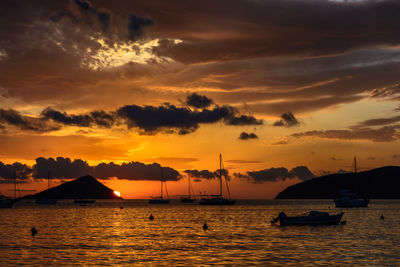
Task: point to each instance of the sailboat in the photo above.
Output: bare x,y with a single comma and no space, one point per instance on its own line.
8,202
188,199
160,199
219,199
348,199
47,201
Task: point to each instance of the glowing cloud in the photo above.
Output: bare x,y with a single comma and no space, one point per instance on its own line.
119,54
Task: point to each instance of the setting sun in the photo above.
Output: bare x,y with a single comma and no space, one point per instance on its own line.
117,193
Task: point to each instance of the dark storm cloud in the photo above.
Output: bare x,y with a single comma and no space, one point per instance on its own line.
198,101
16,170
65,168
203,174
309,55
170,118
247,136
287,120
14,118
276,28
87,15
135,171
98,118
148,120
60,168
62,117
136,25
275,174
383,134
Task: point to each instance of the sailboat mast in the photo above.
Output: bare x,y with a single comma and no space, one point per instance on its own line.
220,174
355,165
189,185
15,184
162,178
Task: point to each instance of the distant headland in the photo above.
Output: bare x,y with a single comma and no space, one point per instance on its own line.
379,183
83,187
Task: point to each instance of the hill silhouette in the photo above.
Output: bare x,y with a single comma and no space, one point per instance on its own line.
380,183
83,187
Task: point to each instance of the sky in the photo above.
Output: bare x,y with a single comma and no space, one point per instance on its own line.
285,90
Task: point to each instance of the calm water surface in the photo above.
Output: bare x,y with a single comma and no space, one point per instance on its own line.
239,235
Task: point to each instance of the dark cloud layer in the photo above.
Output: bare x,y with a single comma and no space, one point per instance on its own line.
198,101
287,120
247,136
203,174
65,168
136,24
309,54
149,120
281,173
380,121
14,118
170,118
383,134
17,171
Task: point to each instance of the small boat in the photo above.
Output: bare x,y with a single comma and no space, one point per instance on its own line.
219,199
188,199
348,199
312,218
216,200
48,200
161,199
84,201
8,202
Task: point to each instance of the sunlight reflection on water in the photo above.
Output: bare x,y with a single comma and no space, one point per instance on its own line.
104,234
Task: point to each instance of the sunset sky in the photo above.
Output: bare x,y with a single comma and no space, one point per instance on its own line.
285,89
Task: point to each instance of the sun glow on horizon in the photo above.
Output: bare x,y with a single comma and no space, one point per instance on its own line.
117,193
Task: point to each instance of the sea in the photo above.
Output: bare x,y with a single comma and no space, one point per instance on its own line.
120,233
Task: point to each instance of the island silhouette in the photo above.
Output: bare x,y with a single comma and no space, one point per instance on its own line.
85,187
379,183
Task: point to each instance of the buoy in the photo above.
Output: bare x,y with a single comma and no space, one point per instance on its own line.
343,222
121,207
205,226
33,231
382,217
151,217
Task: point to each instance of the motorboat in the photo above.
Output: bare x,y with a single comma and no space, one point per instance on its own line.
312,218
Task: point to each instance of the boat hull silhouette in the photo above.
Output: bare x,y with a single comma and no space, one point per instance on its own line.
313,218
217,201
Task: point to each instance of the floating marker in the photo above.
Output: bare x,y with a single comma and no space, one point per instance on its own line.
33,231
382,217
205,226
151,217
